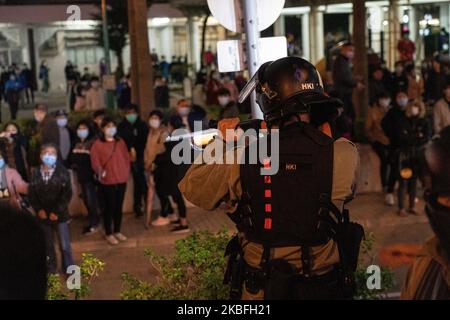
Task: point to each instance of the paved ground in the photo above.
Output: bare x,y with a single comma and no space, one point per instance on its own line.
128,257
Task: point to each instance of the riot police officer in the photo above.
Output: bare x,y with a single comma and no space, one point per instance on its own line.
283,249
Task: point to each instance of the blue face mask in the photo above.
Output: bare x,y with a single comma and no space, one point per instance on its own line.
49,160
131,118
2,163
62,122
111,132
83,133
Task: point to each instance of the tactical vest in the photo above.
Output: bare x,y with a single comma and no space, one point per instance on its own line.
285,207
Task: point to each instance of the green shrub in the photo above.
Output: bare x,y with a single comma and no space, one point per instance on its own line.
197,268
368,258
194,273
90,268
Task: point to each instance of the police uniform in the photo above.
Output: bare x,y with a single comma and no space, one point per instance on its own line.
284,207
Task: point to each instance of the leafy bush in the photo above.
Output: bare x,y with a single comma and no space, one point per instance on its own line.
194,273
197,268
368,258
90,268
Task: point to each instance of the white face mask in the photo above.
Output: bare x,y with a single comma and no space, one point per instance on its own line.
223,101
154,123
62,122
184,111
402,102
385,103
95,85
415,111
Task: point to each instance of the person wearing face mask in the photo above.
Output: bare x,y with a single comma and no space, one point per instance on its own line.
134,131
344,84
229,109
49,193
414,133
212,88
399,80
376,135
16,148
80,160
155,146
47,130
190,114
230,85
13,87
12,186
95,96
441,111
110,160
65,136
391,124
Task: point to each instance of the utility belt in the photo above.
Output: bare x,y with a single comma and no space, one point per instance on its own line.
281,280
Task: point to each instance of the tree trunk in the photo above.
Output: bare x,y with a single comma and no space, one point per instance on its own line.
141,61
205,23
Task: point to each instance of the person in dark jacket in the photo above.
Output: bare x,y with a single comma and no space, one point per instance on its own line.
49,193
13,87
391,124
161,93
47,129
414,132
191,114
377,86
80,160
29,83
229,107
167,176
21,236
344,84
134,131
124,93
16,147
435,82
399,80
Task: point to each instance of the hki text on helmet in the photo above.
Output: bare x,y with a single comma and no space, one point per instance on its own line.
290,86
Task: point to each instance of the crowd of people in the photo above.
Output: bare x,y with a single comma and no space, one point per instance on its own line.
407,107
103,152
16,84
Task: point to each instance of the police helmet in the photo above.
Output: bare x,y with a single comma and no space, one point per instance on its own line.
290,86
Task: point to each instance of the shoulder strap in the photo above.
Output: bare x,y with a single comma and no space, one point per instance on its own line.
110,156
